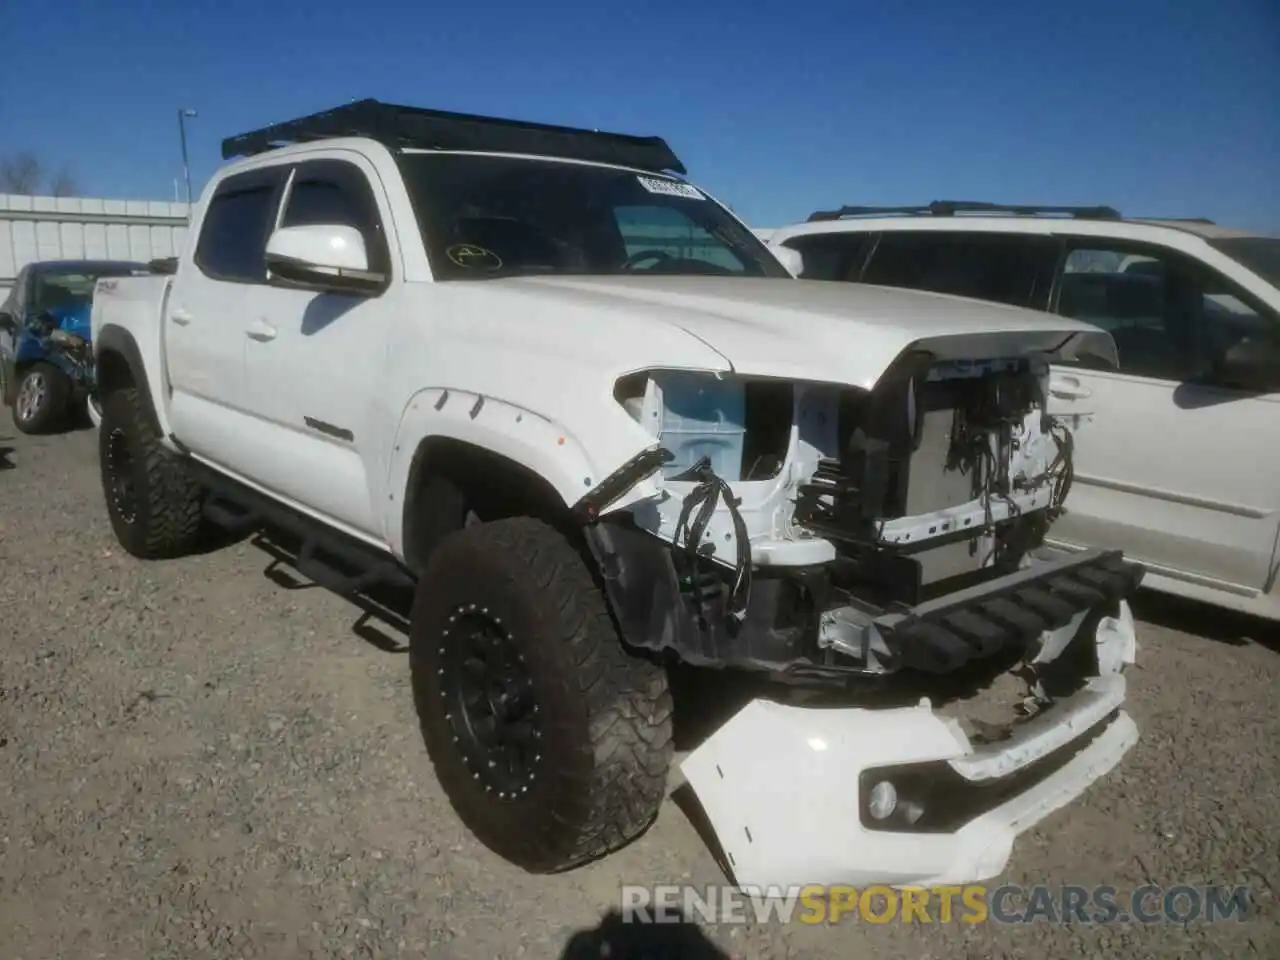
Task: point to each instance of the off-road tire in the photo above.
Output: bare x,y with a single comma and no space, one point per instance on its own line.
606,714
165,517
54,409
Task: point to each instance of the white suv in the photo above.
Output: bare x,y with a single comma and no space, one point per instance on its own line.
1179,467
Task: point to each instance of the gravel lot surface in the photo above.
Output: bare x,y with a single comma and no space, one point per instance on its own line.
198,761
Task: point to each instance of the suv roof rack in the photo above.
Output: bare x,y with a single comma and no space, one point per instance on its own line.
398,126
949,208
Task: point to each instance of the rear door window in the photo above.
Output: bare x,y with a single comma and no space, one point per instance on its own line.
832,256
1012,268
233,234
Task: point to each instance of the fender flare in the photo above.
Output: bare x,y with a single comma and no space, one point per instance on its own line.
525,437
113,338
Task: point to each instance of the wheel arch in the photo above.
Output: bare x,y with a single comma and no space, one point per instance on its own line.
449,476
517,459
118,364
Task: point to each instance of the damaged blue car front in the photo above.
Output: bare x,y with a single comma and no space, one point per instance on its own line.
46,365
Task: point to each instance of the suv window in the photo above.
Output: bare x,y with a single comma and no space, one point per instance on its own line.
334,192
233,235
1171,317
1010,268
832,256
670,232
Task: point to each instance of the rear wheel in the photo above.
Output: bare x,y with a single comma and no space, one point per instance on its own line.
42,399
551,741
156,508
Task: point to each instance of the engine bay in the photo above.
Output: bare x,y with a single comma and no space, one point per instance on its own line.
844,504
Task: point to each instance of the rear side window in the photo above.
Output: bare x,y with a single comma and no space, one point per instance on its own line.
1016,269
233,236
832,256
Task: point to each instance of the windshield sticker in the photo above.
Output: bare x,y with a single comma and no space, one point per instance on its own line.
672,188
474,258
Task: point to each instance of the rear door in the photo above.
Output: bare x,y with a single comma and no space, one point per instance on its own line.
1178,468
212,301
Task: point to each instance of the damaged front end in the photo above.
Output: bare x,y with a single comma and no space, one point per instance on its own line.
825,534
821,533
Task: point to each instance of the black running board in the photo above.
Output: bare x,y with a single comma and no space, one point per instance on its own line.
328,558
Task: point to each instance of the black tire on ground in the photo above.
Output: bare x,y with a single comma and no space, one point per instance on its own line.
592,722
156,508
42,399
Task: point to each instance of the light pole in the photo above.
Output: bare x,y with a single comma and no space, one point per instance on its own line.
183,113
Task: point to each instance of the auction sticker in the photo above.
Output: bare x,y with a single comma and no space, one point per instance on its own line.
671,188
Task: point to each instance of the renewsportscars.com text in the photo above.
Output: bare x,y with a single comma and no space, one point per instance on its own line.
969,904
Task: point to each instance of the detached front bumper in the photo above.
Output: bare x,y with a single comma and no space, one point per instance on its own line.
788,790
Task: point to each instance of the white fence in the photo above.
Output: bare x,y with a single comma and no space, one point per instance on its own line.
84,228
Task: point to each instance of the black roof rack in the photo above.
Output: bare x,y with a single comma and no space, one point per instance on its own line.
949,208
398,126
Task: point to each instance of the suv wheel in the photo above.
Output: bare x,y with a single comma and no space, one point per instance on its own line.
41,399
154,504
550,739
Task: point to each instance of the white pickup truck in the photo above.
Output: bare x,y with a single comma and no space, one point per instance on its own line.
600,426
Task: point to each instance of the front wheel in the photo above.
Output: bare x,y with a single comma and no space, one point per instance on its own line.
551,741
42,399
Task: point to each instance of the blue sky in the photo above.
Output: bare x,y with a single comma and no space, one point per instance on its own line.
1159,108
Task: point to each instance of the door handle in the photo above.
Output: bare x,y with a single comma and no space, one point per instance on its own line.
1069,388
261,331
181,317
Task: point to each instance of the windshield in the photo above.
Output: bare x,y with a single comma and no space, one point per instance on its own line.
484,217
69,289
1259,254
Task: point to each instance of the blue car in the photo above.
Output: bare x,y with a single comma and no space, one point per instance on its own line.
46,364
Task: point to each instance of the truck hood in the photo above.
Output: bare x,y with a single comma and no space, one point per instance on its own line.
834,332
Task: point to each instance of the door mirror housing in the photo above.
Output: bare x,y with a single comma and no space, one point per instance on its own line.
790,258
328,257
1251,363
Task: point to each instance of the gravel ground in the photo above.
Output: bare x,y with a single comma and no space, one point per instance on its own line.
202,761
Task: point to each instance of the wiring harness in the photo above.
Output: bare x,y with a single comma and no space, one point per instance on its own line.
709,492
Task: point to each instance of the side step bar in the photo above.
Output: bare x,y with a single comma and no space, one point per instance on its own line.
327,558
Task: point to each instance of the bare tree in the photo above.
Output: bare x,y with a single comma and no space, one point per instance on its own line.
64,185
20,173
24,174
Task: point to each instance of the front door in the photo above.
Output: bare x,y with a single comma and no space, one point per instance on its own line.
314,360
1178,467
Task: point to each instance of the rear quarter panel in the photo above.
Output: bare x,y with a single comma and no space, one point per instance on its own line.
131,309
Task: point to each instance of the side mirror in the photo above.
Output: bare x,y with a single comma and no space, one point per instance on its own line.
7,322
790,258
326,257
1251,363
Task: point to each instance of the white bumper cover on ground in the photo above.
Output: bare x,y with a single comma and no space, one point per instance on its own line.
780,784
